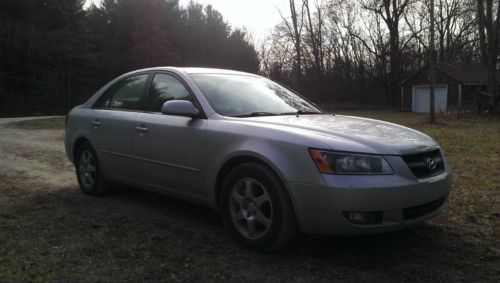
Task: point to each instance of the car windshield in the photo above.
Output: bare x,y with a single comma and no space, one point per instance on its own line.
247,96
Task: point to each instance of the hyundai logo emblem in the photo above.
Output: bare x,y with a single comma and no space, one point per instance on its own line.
431,163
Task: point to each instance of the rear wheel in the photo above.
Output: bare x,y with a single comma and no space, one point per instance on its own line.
88,171
256,208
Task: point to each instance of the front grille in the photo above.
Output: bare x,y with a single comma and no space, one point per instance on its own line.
421,210
421,163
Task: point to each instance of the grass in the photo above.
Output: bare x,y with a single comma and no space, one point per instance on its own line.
39,124
52,232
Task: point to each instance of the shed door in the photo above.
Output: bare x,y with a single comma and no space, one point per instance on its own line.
421,98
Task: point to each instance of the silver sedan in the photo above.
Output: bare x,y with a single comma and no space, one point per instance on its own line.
269,160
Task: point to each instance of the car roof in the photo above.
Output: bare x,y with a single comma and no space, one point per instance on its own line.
198,70
194,70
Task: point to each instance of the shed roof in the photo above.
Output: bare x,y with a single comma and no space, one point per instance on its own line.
468,74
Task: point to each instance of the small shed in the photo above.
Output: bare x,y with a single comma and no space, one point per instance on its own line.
456,86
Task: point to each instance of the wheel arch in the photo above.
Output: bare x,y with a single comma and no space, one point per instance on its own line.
241,158
78,142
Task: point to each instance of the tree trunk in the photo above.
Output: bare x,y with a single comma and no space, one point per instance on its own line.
492,72
489,29
432,75
316,52
482,35
395,58
298,53
442,32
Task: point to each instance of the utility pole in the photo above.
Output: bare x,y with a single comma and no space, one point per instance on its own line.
432,73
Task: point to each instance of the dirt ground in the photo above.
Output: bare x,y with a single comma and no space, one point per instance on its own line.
49,231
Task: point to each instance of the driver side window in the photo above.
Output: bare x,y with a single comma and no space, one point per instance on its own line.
165,88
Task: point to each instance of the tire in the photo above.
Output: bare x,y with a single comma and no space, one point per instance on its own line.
256,208
89,172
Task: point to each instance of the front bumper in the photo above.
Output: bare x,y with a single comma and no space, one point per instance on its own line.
401,200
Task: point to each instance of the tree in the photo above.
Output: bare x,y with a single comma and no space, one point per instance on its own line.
489,40
54,54
432,71
241,54
363,49
45,55
294,30
315,38
391,11
137,34
150,42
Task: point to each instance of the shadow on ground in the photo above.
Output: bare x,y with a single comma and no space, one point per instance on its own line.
59,233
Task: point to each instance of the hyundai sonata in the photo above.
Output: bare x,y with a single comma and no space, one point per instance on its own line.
269,160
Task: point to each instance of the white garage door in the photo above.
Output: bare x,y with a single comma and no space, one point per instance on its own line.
421,98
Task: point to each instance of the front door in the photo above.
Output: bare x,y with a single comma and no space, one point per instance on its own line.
170,149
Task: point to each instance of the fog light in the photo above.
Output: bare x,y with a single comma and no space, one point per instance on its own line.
359,217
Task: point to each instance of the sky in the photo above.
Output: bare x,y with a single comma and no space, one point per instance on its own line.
257,16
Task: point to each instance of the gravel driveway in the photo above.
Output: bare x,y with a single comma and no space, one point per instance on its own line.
38,153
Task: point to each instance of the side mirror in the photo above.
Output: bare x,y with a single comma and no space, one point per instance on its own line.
180,108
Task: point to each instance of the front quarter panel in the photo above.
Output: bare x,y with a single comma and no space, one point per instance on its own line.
286,153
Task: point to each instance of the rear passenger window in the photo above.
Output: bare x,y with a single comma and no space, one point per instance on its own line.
125,94
128,94
165,88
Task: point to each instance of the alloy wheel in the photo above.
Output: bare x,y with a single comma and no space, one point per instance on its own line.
87,169
251,208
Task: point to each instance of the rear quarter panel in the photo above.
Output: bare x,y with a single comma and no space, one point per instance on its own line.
76,128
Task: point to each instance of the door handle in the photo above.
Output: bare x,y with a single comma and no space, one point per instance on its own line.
141,129
96,123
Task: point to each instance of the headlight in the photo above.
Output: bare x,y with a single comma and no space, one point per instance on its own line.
350,163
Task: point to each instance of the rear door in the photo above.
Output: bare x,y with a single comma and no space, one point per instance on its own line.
113,124
170,149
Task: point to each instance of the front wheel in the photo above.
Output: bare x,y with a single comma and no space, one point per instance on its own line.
88,171
256,208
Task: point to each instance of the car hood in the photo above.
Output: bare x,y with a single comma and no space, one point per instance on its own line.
355,134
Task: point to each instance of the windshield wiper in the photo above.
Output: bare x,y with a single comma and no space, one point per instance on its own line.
301,112
255,114
262,113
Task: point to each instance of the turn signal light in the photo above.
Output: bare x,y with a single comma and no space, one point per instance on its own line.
320,160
